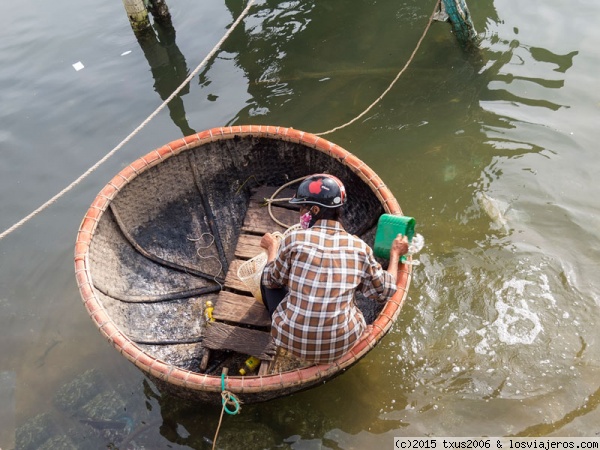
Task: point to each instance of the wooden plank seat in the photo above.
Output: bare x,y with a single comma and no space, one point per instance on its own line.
242,323
241,309
247,247
220,336
258,221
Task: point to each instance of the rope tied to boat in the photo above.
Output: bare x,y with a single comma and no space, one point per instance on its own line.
227,399
389,88
54,199
92,169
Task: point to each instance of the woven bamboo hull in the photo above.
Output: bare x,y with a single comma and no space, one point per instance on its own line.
137,252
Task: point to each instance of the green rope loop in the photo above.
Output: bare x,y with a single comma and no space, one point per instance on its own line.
227,398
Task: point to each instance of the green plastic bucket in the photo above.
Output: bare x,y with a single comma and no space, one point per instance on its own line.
388,227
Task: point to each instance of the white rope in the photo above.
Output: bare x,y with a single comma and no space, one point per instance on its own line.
206,247
272,199
437,5
133,133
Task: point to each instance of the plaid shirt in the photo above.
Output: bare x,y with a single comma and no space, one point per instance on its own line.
322,268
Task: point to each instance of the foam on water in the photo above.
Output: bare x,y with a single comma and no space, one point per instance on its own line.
518,307
517,325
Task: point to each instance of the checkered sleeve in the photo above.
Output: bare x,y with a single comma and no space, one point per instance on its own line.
276,273
378,284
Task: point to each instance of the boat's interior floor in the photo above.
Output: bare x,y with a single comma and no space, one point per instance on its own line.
241,322
158,298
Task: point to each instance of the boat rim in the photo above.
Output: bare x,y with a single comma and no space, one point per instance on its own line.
238,384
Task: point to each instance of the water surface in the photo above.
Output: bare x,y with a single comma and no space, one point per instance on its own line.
494,153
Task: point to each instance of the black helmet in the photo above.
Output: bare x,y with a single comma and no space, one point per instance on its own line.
321,189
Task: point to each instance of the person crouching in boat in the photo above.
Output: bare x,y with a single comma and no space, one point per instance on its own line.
310,279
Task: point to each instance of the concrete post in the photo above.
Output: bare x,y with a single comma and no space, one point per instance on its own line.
137,13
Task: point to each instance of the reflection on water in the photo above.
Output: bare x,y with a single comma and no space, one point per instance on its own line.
271,34
492,153
522,74
168,67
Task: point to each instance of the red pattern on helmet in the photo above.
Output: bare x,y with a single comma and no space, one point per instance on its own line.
315,186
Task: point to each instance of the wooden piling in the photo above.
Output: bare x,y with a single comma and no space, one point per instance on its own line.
137,13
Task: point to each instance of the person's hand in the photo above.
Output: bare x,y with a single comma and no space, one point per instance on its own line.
271,244
399,247
269,241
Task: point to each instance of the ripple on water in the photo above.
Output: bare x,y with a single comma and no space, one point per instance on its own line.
503,328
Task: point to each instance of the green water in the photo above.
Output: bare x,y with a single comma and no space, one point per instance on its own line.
494,153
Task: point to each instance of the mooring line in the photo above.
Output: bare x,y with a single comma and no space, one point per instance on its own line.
134,132
412,56
183,84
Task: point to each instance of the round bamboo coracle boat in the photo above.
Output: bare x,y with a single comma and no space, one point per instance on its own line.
167,234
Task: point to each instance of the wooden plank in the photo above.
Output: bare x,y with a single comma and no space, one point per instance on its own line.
264,368
241,309
258,221
220,336
204,360
265,192
248,246
232,281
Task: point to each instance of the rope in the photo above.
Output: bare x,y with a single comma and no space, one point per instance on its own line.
412,56
206,247
271,200
227,398
176,92
134,132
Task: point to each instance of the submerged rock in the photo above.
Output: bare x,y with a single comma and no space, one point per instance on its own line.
35,432
59,443
90,413
72,396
